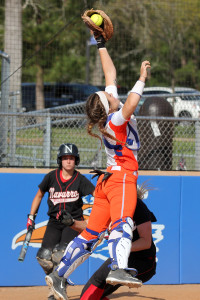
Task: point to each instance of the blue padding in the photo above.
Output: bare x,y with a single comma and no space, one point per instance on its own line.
190,230
67,260
175,203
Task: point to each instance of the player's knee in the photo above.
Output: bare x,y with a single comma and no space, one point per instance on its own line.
44,258
123,229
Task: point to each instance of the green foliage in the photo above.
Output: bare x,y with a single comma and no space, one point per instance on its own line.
171,32
51,33
66,69
165,32
188,73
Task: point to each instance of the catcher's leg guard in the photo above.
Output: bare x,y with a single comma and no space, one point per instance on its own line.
76,253
44,257
119,244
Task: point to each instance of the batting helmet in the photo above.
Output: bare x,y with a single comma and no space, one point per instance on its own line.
68,149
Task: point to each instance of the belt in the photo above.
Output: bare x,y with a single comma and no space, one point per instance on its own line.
119,168
99,173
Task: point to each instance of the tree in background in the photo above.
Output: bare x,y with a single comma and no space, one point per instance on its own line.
51,30
164,32
169,24
13,43
54,41
188,70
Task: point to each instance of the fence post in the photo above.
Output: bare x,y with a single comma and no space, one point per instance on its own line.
47,142
5,89
197,146
13,127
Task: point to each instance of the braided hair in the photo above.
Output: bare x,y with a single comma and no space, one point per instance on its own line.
97,116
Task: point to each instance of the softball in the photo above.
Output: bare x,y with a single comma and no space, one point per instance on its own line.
97,19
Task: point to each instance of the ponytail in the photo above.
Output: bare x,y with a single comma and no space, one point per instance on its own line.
97,116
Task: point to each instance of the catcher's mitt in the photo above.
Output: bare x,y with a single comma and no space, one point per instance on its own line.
106,29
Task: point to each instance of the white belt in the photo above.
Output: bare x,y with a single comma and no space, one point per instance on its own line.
118,168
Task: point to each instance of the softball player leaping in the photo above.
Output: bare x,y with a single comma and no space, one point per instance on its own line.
115,196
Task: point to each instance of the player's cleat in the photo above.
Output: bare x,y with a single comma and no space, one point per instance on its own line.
120,276
57,285
51,297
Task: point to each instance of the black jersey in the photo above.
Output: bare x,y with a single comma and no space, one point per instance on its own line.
143,214
66,194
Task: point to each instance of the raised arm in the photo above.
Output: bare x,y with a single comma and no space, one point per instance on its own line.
136,92
108,67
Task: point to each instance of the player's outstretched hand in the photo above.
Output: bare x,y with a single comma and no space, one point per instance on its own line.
143,70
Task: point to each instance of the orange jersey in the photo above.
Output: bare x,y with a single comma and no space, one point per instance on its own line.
122,154
116,197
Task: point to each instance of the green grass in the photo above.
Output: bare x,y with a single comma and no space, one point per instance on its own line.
89,147
184,131
184,146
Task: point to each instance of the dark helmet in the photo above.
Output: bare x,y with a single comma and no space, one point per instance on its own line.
68,149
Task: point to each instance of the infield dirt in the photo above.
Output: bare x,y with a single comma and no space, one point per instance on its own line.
146,292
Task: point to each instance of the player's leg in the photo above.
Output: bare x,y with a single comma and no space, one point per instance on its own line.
76,253
146,266
67,235
45,253
146,269
122,192
51,238
95,287
83,245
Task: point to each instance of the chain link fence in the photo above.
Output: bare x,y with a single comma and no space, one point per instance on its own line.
32,140
46,76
